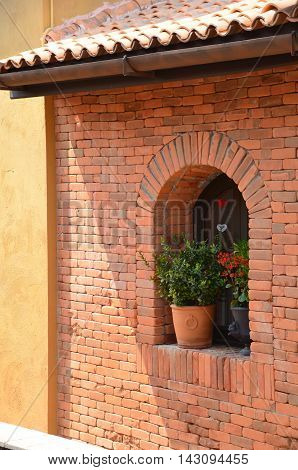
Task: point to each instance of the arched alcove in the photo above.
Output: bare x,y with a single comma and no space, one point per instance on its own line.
173,181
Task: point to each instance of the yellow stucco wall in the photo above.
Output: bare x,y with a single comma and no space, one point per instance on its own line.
62,10
27,227
24,312
23,263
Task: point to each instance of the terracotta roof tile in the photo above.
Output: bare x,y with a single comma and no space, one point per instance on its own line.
135,24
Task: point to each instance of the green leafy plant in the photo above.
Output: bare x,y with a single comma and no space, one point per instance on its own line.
188,274
235,272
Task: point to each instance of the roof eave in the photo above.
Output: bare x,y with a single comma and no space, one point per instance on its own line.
147,66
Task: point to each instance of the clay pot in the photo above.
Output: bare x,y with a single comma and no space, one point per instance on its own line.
193,326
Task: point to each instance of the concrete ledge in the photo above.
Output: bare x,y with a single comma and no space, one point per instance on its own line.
14,437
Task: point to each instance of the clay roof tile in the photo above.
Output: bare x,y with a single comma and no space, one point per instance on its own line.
131,24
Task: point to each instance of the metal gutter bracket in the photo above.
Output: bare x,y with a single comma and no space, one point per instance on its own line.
129,71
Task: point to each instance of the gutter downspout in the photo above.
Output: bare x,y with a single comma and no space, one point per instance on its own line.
141,64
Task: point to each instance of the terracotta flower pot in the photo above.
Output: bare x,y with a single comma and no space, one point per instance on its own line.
193,326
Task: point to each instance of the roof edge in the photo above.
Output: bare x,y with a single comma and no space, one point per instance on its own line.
148,63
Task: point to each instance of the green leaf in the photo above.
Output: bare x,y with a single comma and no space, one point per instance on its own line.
242,298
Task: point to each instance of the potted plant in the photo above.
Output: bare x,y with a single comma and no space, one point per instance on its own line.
235,277
188,277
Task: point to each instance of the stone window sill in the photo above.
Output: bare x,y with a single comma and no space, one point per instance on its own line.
217,350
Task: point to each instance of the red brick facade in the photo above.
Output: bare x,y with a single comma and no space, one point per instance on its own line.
124,159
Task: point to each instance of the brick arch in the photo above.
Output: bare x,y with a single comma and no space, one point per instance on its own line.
203,154
205,149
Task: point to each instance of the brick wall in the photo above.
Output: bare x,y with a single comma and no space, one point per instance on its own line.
121,155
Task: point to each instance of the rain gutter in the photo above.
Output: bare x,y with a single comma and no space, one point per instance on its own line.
145,67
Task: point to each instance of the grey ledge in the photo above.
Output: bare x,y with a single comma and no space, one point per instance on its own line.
14,437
